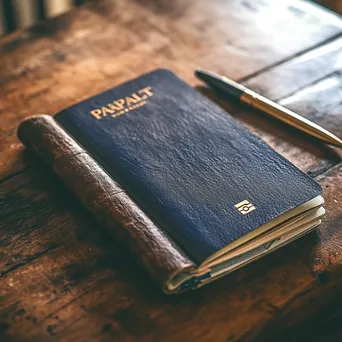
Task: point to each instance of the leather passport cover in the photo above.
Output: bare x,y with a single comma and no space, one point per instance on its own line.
186,163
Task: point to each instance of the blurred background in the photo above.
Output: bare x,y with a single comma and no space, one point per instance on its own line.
16,14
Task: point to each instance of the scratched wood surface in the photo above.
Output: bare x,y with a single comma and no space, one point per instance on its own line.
62,277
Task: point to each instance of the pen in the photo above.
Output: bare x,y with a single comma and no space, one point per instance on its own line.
263,104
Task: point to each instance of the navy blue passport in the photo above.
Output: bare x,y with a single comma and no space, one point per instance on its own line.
221,194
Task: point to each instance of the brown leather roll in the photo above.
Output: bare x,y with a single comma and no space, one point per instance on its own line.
105,198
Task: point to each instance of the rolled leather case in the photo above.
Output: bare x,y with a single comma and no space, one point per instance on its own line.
105,199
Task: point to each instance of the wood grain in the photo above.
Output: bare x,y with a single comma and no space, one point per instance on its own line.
299,72
315,102
62,276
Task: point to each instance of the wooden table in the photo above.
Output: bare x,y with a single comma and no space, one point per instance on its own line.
62,277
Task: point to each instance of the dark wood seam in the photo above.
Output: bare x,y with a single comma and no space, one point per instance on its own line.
29,259
66,305
289,58
322,175
12,175
336,72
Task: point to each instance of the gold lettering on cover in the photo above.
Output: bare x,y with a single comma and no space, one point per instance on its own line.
130,100
147,91
124,105
245,207
119,103
137,105
137,97
113,107
143,97
106,110
96,113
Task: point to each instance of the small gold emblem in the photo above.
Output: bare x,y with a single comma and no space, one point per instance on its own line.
245,207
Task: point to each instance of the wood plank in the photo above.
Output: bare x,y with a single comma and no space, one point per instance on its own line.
72,57
60,271
319,102
226,36
299,72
